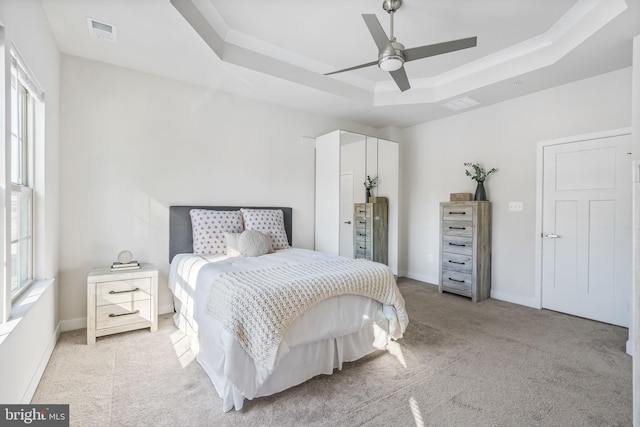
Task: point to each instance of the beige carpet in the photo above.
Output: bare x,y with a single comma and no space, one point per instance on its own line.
459,364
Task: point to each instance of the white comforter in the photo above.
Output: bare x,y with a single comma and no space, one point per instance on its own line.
351,318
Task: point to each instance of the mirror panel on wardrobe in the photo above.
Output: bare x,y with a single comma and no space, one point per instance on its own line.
343,161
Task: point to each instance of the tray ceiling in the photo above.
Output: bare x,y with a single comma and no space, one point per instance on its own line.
278,51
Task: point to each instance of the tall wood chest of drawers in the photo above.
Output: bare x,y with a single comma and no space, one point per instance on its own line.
371,235
465,249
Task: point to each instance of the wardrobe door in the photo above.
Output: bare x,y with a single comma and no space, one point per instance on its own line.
353,149
327,232
388,186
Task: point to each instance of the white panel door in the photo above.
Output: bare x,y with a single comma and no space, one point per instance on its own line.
586,249
346,214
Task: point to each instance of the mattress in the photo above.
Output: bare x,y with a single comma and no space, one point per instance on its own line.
336,330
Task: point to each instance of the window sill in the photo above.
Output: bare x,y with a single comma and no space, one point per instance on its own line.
22,305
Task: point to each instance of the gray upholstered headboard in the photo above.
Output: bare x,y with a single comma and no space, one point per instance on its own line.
180,232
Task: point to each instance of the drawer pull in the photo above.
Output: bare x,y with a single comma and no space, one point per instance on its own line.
457,213
124,314
457,244
457,228
123,292
456,262
454,280
362,222
361,234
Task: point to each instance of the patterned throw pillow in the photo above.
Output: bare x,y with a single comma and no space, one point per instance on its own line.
267,220
209,228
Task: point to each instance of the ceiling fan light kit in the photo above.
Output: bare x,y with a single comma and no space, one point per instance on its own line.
392,55
391,59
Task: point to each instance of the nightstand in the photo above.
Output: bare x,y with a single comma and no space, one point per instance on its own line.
119,301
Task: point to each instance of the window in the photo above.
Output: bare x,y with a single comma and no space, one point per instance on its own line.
23,104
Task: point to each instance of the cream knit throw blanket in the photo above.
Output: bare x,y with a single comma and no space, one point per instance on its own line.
258,306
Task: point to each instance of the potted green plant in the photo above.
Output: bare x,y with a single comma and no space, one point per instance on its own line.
370,184
479,175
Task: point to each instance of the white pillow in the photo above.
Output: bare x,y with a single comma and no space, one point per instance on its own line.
209,228
232,243
253,243
267,220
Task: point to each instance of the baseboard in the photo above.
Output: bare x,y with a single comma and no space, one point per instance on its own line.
73,324
164,309
515,299
420,277
37,376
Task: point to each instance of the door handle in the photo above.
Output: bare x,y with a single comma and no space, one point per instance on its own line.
347,222
550,236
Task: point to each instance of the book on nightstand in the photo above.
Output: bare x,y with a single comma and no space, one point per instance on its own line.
119,266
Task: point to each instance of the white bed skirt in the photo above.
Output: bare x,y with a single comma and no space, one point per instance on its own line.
300,364
336,330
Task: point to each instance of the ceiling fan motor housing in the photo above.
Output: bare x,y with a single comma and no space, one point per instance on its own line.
391,5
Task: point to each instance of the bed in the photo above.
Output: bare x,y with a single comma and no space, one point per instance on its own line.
326,310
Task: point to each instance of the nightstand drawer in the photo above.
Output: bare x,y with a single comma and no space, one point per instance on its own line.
121,300
122,291
108,316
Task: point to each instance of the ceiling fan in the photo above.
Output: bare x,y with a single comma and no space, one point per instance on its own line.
392,55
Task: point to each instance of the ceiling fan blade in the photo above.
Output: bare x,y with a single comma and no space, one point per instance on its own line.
401,79
377,32
438,48
353,68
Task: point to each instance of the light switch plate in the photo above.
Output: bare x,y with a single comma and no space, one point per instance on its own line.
515,206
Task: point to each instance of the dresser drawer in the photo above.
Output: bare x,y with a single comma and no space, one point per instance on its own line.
122,291
362,225
363,253
111,315
457,228
362,246
455,281
457,213
362,211
362,236
461,263
457,245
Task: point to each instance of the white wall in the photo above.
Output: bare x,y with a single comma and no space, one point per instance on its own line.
503,136
133,144
633,345
26,341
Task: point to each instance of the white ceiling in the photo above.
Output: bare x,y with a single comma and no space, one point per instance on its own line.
278,50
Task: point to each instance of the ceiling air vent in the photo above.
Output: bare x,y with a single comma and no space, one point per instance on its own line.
461,103
101,30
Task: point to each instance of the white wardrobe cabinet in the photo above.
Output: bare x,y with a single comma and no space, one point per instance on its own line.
343,161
